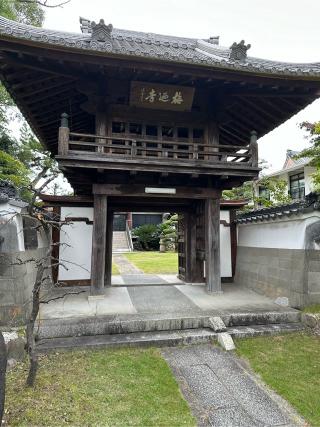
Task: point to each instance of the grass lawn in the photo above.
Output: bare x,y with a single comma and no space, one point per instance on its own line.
315,309
155,262
124,387
115,269
290,364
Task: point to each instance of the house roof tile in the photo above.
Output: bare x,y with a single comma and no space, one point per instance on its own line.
155,46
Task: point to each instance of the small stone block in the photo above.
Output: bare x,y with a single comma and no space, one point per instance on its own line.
226,341
311,320
11,363
16,349
284,301
95,297
217,324
10,336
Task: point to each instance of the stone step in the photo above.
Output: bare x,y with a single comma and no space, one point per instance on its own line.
105,325
162,338
120,242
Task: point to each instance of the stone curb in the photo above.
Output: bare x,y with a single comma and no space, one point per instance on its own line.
311,320
15,346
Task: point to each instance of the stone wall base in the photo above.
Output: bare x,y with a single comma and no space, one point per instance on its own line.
291,273
16,283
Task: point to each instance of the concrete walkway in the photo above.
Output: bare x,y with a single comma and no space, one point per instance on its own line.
143,279
222,393
124,265
184,300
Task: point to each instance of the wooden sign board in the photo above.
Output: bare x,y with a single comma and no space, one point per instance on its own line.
161,96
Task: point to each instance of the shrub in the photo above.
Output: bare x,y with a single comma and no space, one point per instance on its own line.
148,236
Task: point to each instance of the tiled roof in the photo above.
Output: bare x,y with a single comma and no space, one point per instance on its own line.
311,202
291,161
155,46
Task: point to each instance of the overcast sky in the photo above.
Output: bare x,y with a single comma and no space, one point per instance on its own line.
285,30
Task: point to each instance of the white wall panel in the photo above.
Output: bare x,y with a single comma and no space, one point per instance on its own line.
284,234
76,256
225,246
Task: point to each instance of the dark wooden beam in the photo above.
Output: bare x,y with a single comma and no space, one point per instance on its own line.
48,88
98,244
137,190
233,134
59,53
258,109
33,63
212,256
108,257
190,246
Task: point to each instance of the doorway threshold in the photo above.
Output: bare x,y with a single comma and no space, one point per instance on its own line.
146,280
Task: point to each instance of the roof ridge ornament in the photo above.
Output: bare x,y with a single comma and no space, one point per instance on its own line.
101,32
85,25
239,51
213,40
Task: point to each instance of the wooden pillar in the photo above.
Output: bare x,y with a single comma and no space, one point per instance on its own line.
63,139
98,244
212,139
108,258
254,149
234,241
181,247
200,242
212,233
190,247
101,123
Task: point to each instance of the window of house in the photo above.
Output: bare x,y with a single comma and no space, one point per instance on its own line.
264,193
297,186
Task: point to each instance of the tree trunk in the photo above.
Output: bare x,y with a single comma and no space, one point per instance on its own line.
31,344
3,368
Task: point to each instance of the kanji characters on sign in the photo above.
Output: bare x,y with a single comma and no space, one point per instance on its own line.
160,96
152,96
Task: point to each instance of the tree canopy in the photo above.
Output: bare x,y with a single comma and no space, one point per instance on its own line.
28,12
23,161
276,191
313,152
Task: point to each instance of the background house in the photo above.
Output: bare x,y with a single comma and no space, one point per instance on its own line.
296,172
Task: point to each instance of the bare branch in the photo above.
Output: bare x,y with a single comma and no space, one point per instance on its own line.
61,296
40,175
44,3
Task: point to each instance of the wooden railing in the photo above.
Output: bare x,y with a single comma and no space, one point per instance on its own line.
143,149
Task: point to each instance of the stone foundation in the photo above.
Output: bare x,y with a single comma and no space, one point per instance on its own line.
16,283
291,273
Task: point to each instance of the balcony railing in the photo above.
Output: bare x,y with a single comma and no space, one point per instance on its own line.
127,148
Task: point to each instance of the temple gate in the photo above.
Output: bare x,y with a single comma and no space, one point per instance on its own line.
139,121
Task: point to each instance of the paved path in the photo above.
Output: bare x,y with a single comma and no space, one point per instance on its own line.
222,393
124,265
191,300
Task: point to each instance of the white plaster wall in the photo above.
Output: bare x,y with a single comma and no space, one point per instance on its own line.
225,246
78,237
281,234
10,213
76,256
19,224
308,171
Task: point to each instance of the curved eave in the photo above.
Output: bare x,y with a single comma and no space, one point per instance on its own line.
191,55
